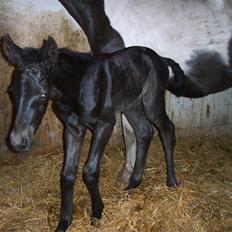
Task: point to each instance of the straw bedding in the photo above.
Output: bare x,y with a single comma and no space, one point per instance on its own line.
30,194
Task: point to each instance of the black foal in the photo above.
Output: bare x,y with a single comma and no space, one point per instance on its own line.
103,38
86,93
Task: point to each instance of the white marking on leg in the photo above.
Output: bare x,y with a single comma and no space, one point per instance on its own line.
130,141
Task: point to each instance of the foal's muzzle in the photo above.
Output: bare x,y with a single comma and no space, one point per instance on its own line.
24,146
20,142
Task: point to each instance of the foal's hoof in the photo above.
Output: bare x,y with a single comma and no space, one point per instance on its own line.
94,222
97,211
60,229
63,225
172,183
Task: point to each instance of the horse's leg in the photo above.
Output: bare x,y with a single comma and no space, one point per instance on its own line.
101,135
155,110
130,143
74,134
144,133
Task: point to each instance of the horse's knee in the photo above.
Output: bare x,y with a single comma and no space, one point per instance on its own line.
67,180
90,175
172,133
146,134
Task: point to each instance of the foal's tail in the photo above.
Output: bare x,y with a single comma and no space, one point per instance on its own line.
175,83
207,73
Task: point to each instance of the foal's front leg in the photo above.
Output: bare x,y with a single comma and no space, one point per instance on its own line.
74,133
101,135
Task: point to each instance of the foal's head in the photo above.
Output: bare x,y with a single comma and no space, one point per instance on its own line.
30,88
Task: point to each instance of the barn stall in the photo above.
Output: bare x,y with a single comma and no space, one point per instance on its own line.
29,191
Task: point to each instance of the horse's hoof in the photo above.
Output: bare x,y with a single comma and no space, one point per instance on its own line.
134,183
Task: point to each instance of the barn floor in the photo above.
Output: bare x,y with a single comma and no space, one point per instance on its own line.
30,195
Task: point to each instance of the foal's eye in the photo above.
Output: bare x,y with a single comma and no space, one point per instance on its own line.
35,72
43,95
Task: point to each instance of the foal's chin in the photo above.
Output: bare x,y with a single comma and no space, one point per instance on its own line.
20,146
20,149
21,140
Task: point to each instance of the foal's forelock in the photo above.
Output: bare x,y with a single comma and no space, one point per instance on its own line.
36,71
32,80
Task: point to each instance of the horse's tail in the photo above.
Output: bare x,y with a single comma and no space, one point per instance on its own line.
207,73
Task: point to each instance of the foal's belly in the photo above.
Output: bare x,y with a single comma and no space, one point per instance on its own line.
127,103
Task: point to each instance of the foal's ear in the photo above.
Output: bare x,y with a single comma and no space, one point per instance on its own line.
11,51
50,50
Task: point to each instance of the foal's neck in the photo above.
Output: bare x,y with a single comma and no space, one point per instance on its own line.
69,70
71,65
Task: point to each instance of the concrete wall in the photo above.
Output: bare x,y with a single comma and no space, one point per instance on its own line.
173,28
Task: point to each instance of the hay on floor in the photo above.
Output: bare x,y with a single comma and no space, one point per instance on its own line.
30,194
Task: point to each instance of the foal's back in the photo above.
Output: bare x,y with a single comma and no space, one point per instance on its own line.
118,79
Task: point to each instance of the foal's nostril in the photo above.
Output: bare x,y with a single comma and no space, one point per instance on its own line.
25,142
24,145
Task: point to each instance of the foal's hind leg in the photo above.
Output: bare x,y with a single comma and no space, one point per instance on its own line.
144,132
156,112
167,136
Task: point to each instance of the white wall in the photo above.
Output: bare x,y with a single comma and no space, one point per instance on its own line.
173,28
